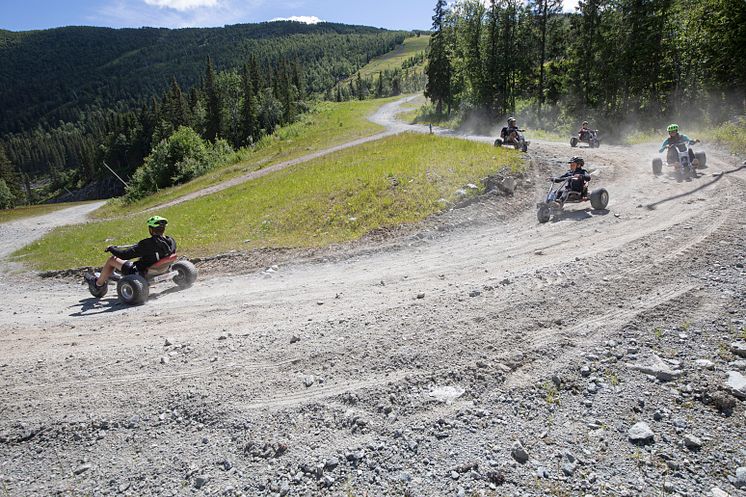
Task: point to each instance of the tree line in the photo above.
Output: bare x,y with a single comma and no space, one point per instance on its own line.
609,60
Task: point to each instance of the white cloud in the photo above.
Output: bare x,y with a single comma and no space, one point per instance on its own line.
182,5
156,13
304,19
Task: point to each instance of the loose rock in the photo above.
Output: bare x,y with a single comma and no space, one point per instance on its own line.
736,384
657,367
518,452
641,433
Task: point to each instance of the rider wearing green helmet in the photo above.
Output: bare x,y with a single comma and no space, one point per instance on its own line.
674,138
148,251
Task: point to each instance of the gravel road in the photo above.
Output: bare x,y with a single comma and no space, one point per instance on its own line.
482,354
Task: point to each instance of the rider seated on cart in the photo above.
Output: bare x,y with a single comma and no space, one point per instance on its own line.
577,179
675,138
149,250
584,133
510,133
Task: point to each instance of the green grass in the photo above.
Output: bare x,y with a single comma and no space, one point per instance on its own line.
411,110
327,125
731,134
21,212
395,58
337,198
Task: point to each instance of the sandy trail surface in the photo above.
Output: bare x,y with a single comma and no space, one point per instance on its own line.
405,370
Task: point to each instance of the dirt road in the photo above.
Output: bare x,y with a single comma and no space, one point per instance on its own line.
429,369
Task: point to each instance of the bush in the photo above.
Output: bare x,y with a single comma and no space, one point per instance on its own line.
7,199
181,157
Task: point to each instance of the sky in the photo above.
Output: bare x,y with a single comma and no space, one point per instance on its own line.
24,15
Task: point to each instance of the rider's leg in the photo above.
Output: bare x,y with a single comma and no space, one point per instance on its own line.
692,159
672,156
111,264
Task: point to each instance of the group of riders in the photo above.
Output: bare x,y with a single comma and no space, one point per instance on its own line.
158,246
578,176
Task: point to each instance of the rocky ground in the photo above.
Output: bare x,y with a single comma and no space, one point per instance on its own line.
478,354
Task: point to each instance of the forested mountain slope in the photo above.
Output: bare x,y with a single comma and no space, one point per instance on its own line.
58,74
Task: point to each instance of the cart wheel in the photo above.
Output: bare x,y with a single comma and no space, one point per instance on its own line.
599,199
702,158
543,214
133,289
187,274
657,166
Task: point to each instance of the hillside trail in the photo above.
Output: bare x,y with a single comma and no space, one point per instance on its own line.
483,292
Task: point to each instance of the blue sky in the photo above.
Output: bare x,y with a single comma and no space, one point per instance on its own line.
22,15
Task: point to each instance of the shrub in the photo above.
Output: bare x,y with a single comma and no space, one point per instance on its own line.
181,157
7,199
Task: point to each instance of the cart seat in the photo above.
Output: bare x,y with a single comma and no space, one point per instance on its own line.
162,265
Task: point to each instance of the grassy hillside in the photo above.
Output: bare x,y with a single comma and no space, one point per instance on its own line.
395,58
327,125
341,197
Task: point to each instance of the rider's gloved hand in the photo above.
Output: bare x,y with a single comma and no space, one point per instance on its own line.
108,249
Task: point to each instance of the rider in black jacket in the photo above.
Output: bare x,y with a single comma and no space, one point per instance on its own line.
511,133
148,251
578,178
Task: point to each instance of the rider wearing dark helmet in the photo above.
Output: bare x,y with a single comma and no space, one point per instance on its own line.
148,251
578,177
510,132
584,132
674,138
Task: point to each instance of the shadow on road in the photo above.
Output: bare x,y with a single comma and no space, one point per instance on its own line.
579,215
717,178
92,306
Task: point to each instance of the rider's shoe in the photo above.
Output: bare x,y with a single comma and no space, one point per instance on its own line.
91,279
695,163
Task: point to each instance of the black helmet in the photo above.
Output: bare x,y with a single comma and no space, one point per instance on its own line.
577,160
511,120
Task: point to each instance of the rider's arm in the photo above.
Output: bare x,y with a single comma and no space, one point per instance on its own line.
664,145
128,252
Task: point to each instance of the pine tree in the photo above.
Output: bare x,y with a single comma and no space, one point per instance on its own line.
249,119
543,10
177,108
213,126
10,178
438,69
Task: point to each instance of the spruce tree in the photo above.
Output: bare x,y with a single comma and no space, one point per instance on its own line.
438,69
213,124
249,119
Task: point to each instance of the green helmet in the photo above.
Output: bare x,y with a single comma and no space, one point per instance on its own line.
673,127
157,222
